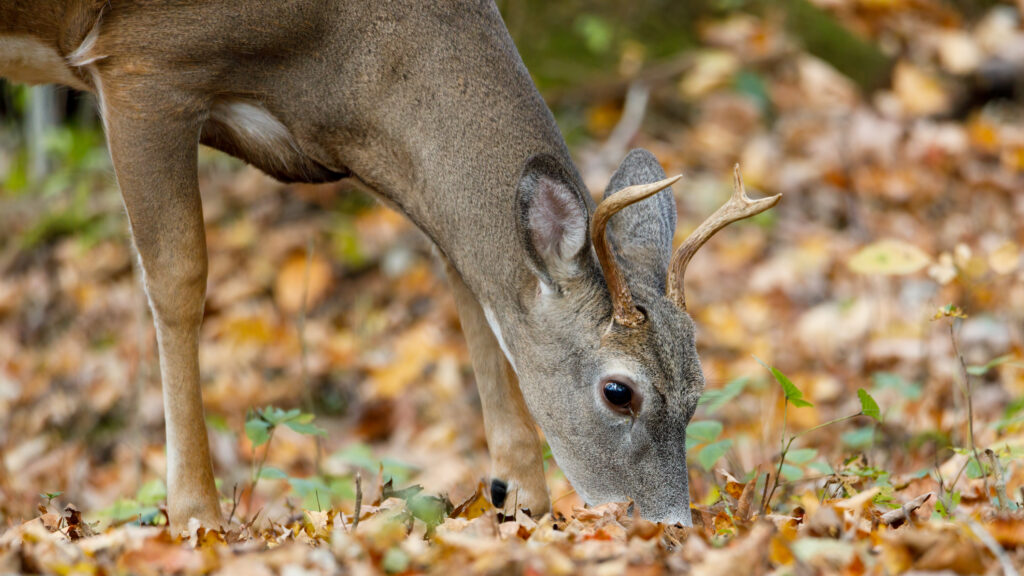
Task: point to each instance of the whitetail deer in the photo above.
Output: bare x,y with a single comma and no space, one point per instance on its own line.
428,105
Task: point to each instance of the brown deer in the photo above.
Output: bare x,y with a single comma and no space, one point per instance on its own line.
575,322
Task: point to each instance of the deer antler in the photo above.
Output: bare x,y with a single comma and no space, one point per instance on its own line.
738,207
625,312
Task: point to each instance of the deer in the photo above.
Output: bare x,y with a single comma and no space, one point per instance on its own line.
573,311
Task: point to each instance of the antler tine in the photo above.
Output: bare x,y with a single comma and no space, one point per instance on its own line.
625,312
738,207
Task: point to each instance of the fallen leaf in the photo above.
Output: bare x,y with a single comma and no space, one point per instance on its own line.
920,92
889,257
302,282
1005,259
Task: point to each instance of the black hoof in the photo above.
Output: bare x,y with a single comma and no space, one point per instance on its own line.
499,491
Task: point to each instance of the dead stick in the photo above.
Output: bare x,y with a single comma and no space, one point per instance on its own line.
897,517
970,409
359,499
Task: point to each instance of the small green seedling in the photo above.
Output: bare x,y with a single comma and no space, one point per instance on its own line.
793,395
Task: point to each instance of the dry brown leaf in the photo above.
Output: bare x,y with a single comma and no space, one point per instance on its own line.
1005,259
302,281
920,92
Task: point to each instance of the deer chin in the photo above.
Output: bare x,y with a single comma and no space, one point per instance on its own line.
673,510
654,477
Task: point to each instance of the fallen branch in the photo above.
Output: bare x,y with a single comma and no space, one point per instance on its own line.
899,516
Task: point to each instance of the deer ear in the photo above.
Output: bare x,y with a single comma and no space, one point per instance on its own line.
552,220
642,233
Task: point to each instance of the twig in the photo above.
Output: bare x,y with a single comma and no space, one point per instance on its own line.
896,518
258,469
782,457
307,393
764,491
653,75
573,491
359,499
970,407
266,452
301,323
997,468
959,473
787,444
235,499
993,547
614,148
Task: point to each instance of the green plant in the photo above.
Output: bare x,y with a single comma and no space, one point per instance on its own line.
703,442
793,395
703,436
260,426
50,496
143,509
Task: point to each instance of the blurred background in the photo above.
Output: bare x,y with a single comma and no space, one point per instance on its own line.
894,129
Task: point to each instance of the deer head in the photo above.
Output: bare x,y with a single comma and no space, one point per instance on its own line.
611,372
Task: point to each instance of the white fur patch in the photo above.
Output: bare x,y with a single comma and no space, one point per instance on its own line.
23,59
254,123
84,54
492,321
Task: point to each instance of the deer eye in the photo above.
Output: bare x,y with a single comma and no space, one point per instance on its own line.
619,395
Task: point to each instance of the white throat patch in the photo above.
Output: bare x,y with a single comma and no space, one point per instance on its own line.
492,321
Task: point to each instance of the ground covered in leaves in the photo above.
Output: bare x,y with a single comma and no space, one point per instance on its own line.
863,341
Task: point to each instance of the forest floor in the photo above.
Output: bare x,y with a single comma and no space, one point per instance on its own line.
890,273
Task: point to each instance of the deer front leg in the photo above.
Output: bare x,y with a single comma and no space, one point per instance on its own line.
155,161
517,466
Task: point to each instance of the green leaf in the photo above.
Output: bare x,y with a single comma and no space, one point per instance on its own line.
790,472
431,510
889,380
361,456
940,506
50,495
859,438
974,469
305,418
596,32
271,473
982,370
276,416
546,452
821,467
714,400
151,493
258,431
308,486
710,454
793,394
801,455
703,432
395,561
306,428
868,406
1004,423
